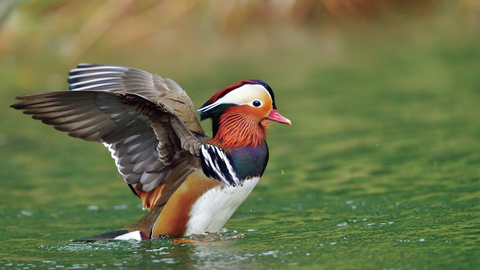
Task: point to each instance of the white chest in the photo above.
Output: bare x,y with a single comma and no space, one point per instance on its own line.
213,209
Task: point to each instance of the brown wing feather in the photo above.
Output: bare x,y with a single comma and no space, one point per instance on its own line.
175,97
123,122
121,107
151,86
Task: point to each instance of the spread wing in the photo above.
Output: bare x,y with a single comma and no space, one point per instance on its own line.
151,86
144,120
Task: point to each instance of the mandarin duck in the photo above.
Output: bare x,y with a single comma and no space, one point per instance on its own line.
190,182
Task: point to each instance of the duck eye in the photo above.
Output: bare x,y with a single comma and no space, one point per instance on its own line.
256,103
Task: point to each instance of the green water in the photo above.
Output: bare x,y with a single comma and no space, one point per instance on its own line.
380,169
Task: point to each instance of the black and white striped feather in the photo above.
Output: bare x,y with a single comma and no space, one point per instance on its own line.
216,163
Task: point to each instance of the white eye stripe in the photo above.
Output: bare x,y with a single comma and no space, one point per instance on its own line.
240,96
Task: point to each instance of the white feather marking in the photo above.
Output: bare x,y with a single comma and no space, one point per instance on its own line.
243,95
92,81
135,235
93,74
98,67
94,86
213,209
232,172
112,153
210,162
223,156
216,167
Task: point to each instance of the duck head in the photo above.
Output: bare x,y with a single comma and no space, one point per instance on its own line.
240,112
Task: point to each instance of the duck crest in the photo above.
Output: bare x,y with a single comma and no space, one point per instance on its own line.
228,89
235,129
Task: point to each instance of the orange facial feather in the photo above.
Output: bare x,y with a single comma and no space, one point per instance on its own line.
241,126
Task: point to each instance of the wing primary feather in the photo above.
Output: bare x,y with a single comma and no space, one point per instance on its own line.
131,112
95,68
104,79
95,86
78,77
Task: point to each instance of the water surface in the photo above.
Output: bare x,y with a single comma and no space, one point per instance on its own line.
380,170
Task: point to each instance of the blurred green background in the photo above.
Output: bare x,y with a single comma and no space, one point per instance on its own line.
380,169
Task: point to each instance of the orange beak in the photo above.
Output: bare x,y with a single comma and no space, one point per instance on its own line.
277,117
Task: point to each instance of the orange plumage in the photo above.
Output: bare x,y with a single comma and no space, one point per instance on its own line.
240,128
